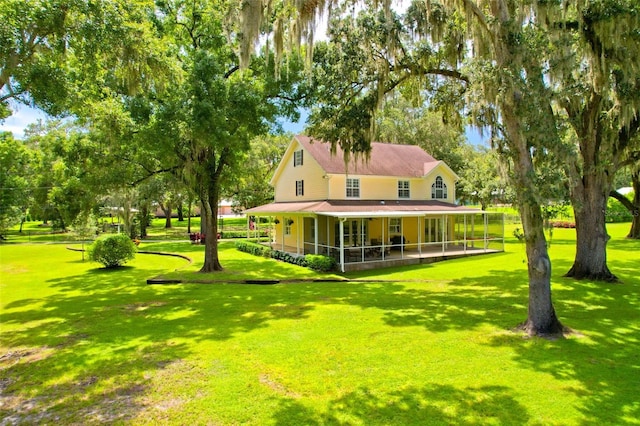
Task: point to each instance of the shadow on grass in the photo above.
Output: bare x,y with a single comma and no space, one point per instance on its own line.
603,356
87,348
430,405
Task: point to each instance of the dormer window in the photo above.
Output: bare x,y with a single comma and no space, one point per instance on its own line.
439,189
297,158
403,189
353,188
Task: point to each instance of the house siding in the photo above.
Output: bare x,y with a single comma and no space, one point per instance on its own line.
386,188
315,187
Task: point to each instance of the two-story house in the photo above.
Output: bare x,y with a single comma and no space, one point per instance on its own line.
396,206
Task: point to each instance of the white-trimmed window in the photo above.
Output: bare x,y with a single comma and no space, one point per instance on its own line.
439,189
299,188
353,188
297,158
287,225
403,189
395,225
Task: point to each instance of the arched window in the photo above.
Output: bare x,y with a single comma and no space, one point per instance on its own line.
439,189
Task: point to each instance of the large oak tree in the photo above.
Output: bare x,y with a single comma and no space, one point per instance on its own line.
377,54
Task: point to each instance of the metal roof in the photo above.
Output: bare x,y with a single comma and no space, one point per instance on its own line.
364,208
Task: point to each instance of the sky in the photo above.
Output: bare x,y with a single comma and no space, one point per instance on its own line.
24,115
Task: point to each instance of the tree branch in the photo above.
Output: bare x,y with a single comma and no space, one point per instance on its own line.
231,71
623,200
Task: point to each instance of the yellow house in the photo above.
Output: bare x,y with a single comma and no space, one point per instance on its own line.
395,207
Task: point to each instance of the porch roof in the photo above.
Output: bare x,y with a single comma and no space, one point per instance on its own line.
363,208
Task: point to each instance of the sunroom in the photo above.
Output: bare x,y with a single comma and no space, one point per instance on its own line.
366,234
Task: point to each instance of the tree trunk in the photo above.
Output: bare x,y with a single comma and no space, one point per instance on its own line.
144,220
180,213
210,215
541,316
167,214
589,198
635,222
189,217
541,319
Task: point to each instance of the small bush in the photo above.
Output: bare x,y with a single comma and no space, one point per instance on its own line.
254,249
320,263
617,212
241,234
112,250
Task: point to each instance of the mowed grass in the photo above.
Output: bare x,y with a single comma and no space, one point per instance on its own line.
429,344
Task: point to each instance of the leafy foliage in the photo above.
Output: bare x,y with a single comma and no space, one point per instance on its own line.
320,263
14,180
112,250
316,262
617,212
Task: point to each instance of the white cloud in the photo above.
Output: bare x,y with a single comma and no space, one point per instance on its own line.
22,116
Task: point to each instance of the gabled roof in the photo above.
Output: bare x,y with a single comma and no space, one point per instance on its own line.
385,159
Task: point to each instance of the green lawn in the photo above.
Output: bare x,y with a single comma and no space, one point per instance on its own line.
429,344
38,232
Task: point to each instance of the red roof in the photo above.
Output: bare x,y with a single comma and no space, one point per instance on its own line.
385,159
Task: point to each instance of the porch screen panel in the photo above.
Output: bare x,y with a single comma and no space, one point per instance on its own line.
475,230
495,229
433,229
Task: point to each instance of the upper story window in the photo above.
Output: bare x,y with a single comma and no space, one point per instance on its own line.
403,189
353,188
439,189
297,158
299,188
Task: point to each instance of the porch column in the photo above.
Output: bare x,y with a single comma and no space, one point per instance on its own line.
342,244
473,231
272,231
382,237
328,243
402,237
465,233
419,236
299,233
444,233
283,225
315,232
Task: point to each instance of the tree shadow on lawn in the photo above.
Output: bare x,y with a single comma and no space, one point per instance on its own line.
430,405
101,333
604,361
87,349
603,356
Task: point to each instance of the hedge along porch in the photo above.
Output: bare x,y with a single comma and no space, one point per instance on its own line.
367,235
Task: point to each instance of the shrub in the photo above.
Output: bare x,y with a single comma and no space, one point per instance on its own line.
264,251
253,248
320,263
617,212
112,250
242,234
